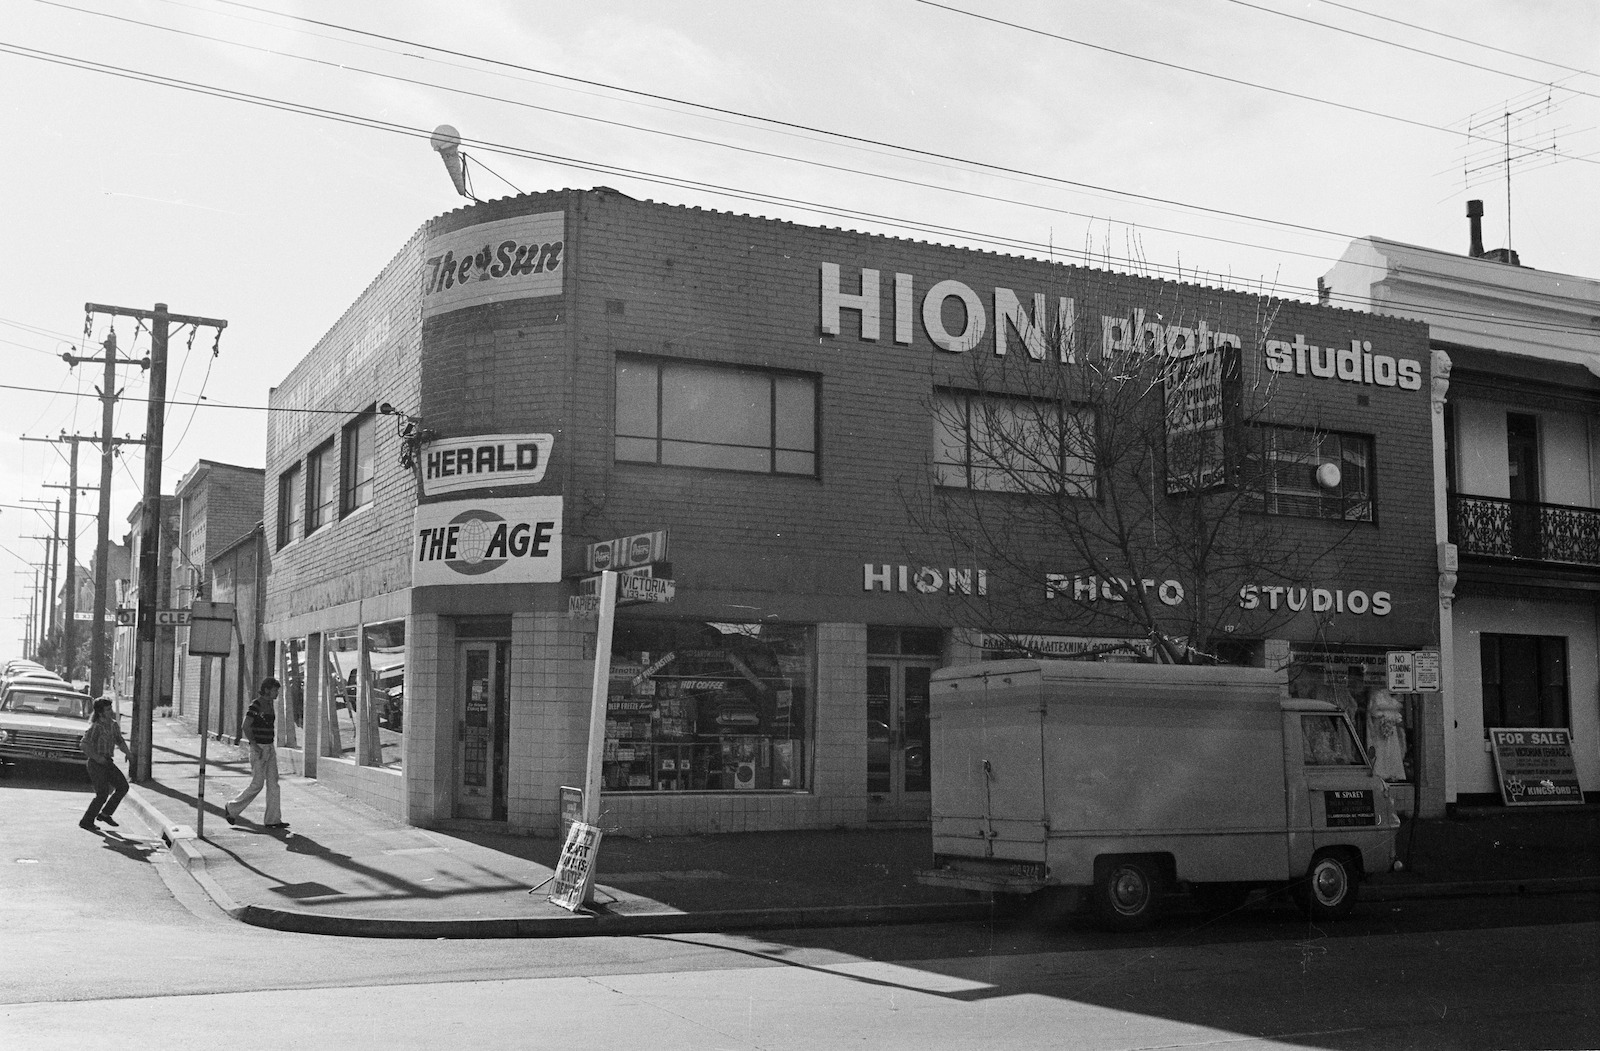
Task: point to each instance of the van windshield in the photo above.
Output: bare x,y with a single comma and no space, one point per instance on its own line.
1327,741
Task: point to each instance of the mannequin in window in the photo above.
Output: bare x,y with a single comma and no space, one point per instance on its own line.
1386,736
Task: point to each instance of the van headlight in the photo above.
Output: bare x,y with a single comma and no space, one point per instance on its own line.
7,736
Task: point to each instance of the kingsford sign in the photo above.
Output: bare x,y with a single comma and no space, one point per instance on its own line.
492,262
516,541
1036,322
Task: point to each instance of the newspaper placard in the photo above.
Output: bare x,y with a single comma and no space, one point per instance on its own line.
574,878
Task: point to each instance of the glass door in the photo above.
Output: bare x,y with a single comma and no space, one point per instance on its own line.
899,776
481,731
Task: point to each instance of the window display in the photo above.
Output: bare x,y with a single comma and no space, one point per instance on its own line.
707,707
1353,677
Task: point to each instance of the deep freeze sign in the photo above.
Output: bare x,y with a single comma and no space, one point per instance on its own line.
516,541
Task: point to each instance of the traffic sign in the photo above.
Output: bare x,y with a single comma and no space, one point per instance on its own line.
1428,671
1402,671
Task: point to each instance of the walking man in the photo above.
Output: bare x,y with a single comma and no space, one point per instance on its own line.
261,726
100,742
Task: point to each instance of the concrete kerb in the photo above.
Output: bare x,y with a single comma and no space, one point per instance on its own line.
600,924
192,853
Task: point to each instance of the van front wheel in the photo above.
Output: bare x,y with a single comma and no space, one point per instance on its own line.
1328,889
1127,895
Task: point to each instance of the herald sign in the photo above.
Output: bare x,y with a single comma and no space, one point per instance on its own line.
513,541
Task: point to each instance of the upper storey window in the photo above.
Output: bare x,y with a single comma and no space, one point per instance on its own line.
681,414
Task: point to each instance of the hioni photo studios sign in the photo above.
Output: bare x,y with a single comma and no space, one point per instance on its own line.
511,541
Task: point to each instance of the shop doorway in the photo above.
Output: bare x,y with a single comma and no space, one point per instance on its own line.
899,774
482,710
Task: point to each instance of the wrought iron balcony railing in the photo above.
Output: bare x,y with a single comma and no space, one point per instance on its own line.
1493,527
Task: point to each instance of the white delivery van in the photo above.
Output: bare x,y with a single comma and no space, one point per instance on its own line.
1128,781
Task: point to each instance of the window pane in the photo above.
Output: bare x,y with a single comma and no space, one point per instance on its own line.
1327,741
636,449
796,413
795,463
701,404
359,447
636,401
341,665
386,672
950,440
723,457
323,480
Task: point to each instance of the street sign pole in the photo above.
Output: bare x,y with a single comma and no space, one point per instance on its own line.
606,616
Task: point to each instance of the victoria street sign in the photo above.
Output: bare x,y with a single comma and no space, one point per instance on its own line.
645,589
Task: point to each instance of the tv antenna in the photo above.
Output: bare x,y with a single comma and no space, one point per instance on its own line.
1520,134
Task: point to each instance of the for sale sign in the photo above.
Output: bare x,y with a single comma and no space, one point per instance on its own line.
1535,766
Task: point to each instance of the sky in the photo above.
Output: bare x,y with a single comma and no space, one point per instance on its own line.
259,162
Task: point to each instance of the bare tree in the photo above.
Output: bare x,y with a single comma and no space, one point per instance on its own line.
1123,486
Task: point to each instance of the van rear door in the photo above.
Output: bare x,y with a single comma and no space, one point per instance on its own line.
988,794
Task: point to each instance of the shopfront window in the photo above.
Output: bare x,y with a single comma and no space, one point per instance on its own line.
294,682
386,686
708,707
1355,680
341,659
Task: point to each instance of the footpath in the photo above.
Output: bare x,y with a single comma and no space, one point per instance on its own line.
343,868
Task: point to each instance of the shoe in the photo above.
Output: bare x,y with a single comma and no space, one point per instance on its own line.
107,818
88,824
233,819
277,824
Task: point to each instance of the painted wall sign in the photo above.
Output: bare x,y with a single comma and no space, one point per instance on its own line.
454,465
512,541
1535,765
515,258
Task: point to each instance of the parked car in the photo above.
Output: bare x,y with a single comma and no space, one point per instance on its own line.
43,722
34,678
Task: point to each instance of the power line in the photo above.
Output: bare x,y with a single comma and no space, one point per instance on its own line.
1459,39
852,140
1237,81
1407,47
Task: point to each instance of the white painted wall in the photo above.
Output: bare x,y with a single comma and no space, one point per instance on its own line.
1470,766
1567,457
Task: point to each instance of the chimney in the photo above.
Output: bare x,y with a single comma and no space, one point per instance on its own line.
1475,217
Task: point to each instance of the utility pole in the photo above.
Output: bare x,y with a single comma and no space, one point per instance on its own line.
69,614
108,444
146,677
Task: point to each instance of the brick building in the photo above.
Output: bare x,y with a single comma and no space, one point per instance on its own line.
219,505
765,411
